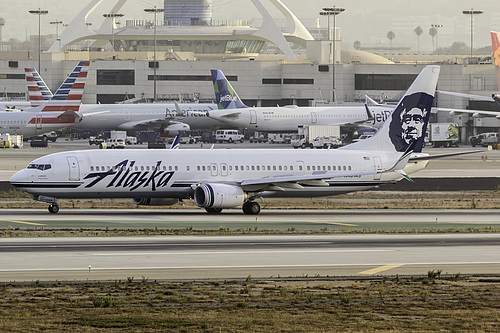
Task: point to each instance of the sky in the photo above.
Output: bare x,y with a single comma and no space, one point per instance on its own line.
366,21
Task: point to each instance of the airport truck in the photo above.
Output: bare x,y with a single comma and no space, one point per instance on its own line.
317,136
443,134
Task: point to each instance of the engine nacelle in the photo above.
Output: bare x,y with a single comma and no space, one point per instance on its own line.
218,196
496,97
155,201
174,129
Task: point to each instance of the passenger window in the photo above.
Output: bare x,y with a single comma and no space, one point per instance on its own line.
91,168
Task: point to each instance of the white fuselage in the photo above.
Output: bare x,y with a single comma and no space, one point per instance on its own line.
32,123
144,116
287,119
172,173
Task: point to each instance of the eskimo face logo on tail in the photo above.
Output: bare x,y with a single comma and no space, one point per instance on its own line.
409,121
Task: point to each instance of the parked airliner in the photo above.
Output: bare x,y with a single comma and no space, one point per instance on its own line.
234,112
60,111
228,178
164,117
495,97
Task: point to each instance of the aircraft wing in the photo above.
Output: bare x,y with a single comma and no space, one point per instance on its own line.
478,97
154,122
290,181
425,156
90,114
474,113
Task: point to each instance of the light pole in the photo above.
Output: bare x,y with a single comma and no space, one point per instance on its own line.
113,15
437,26
57,22
154,10
332,11
39,12
2,23
471,12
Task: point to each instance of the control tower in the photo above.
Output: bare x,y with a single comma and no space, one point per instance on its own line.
188,12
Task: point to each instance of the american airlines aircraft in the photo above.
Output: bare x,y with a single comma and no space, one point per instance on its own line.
228,178
232,111
60,111
167,118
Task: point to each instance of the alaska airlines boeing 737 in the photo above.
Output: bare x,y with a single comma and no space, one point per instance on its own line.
59,112
218,179
233,112
164,117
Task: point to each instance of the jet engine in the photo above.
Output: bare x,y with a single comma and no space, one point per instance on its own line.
218,196
155,201
174,129
496,97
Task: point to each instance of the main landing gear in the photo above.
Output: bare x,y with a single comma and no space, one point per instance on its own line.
251,208
54,208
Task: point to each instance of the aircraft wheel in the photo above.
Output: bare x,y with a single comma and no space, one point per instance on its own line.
213,210
251,208
54,209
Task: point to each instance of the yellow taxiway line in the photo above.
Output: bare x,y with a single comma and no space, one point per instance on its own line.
32,223
380,269
335,223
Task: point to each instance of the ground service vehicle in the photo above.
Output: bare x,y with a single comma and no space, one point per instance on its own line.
443,134
229,136
317,136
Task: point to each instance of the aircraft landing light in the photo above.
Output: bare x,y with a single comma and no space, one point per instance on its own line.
335,223
32,223
380,269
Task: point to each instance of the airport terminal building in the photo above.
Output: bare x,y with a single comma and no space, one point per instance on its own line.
299,71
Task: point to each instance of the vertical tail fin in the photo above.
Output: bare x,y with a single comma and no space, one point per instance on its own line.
408,122
226,96
69,95
38,91
495,43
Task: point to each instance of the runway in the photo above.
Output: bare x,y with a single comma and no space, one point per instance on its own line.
196,257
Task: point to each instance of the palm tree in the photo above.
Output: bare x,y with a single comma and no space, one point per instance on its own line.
433,32
391,35
418,30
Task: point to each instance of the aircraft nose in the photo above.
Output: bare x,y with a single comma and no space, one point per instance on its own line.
19,177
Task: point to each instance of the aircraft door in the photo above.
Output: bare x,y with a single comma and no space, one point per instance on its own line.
314,118
38,122
126,114
213,169
74,168
253,117
377,163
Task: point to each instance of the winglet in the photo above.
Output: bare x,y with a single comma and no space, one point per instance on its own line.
177,142
369,114
178,109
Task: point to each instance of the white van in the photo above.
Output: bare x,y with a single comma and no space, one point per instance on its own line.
229,136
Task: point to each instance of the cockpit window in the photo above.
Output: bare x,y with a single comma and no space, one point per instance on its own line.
39,166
